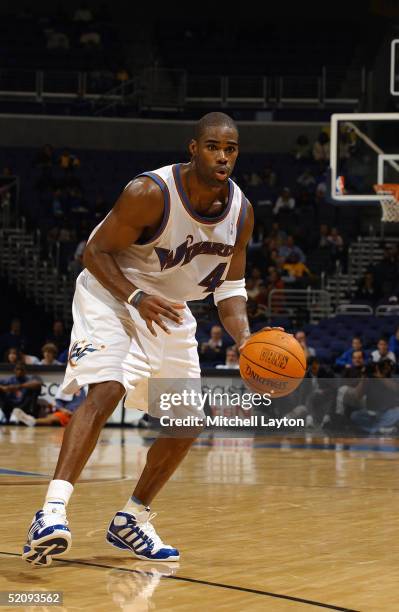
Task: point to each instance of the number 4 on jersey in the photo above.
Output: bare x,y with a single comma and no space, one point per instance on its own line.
213,280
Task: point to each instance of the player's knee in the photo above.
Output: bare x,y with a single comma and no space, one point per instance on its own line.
104,397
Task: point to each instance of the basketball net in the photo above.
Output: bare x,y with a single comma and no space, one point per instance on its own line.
389,199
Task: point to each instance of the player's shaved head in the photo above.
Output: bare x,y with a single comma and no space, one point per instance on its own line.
214,120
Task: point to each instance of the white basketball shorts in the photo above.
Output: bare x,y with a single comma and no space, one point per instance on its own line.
110,341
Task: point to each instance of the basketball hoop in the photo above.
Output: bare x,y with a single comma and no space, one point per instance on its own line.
389,199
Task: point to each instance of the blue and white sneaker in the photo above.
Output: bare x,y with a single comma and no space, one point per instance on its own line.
137,534
48,537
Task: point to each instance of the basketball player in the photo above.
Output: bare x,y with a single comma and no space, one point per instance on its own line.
176,234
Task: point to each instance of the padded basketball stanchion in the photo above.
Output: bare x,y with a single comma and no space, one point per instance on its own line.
389,199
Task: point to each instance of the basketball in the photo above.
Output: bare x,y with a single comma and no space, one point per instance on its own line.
272,362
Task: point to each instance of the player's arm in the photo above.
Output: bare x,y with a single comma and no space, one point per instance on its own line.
233,310
140,205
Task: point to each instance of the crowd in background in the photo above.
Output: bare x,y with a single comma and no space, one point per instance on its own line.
284,253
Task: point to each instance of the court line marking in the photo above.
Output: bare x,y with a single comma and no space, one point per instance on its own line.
203,582
9,472
331,446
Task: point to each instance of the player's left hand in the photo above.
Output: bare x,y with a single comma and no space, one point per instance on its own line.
263,329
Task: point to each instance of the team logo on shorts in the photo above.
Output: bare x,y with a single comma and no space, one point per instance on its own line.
80,349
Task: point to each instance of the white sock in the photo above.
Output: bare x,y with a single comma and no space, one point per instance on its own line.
134,506
58,494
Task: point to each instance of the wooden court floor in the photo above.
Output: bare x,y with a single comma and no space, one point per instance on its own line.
273,524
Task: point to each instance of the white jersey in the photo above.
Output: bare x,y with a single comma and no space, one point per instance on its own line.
189,256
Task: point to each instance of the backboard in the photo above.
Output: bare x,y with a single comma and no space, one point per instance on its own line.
394,72
364,151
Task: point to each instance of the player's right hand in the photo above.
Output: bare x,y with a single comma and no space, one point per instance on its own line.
152,308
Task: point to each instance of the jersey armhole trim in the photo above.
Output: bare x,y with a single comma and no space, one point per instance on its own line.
166,197
241,216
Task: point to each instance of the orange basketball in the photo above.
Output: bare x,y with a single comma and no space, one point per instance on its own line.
272,362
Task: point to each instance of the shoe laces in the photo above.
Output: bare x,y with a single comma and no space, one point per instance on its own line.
54,517
149,530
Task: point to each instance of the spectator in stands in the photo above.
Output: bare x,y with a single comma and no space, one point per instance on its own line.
262,296
306,181
285,202
258,236
7,171
76,202
57,40
90,38
251,287
76,265
274,280
231,362
122,75
68,161
256,275
276,234
254,180
317,396
380,414
336,246
263,256
276,300
255,313
49,352
45,157
13,355
58,336
83,13
321,241
386,272
321,149
356,366
65,406
290,248
19,391
30,359
101,207
382,352
65,234
244,179
309,351
345,360
393,344
214,349
269,176
346,141
296,270
367,289
335,240
347,397
13,338
320,193
58,203
276,261
302,149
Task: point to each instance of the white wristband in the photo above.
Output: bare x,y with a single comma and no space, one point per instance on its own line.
133,295
230,288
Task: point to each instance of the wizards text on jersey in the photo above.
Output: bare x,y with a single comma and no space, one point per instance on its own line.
186,252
